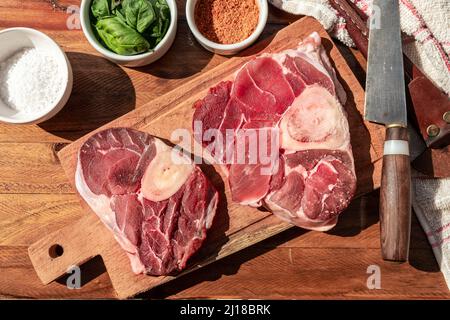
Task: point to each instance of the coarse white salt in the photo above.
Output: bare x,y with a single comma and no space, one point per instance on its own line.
31,81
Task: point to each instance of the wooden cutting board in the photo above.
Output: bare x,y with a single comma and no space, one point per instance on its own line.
236,227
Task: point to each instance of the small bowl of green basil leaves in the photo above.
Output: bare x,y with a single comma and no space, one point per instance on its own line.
132,33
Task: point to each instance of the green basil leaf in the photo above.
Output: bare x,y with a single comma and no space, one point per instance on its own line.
161,8
100,8
121,38
118,12
164,9
164,29
139,14
159,28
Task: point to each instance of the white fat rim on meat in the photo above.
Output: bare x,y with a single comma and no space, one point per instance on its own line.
254,204
339,89
102,203
300,219
299,169
280,57
325,162
210,211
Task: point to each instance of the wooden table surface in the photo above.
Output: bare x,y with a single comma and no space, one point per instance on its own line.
36,198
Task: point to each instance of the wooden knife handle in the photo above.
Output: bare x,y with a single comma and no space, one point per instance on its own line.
395,196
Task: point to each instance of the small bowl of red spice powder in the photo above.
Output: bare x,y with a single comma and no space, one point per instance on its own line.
226,26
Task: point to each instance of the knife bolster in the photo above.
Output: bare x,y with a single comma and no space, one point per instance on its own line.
395,196
396,140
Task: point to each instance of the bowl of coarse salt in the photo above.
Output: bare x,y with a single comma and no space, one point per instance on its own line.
35,76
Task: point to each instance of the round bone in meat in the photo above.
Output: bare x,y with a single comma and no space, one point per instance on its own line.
315,120
165,175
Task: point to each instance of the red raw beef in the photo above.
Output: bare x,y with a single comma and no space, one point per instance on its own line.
297,92
158,234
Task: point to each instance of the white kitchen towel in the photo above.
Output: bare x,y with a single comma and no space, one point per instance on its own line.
428,21
432,207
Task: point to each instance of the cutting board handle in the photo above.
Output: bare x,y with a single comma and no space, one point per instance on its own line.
55,254
395,196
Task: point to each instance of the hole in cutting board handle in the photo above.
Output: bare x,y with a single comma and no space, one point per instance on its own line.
55,251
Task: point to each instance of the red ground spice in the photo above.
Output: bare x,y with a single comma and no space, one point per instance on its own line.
226,21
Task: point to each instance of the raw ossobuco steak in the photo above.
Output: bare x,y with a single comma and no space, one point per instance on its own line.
157,203
296,92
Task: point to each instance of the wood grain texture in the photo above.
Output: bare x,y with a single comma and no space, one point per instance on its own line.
434,162
29,212
31,168
395,201
26,217
289,265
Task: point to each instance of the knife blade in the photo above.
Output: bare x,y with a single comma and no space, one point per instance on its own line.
386,104
385,84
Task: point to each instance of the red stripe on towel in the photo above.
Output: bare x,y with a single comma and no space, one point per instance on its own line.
438,46
440,243
438,230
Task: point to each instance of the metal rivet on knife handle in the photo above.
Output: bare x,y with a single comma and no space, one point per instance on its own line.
433,130
446,117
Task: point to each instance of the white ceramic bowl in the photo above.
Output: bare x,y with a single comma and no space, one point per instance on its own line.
15,39
226,49
138,60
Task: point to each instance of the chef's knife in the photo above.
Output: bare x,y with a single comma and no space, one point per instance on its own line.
430,107
386,104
